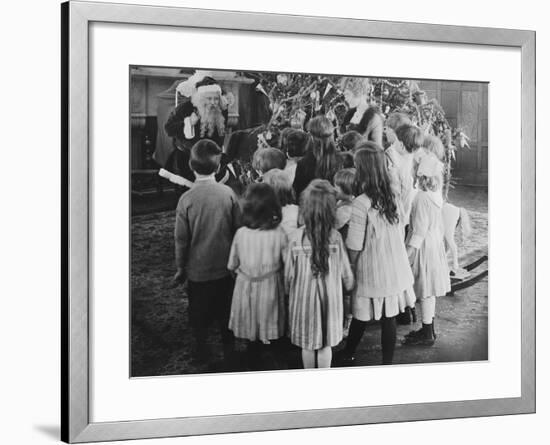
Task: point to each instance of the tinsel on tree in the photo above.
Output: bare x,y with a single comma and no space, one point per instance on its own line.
405,96
296,98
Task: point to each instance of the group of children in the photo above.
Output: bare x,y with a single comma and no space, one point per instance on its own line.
362,241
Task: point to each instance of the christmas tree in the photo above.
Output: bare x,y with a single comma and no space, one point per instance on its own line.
402,95
296,98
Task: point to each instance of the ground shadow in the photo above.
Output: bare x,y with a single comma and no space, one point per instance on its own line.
51,431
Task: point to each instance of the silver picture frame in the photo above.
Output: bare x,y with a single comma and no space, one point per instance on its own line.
75,396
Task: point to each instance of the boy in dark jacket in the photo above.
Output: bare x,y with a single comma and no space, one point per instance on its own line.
207,217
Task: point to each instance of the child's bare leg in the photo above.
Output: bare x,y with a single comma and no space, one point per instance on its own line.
451,216
324,357
308,358
452,247
428,314
427,305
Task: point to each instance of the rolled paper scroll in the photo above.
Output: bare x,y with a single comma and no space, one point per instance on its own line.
226,176
175,179
180,180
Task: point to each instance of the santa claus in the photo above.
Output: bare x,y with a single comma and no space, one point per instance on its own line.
204,116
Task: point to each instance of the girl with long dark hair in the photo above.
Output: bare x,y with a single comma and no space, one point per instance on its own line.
321,160
316,266
384,281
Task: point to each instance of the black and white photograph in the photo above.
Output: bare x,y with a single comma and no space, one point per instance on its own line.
301,220
274,221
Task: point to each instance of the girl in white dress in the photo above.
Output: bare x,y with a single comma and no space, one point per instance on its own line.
453,217
426,249
256,256
377,251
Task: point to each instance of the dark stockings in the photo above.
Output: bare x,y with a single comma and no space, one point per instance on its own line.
388,338
356,330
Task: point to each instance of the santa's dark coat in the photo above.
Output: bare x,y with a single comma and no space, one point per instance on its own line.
178,161
174,126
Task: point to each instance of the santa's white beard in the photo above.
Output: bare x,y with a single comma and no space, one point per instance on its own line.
211,120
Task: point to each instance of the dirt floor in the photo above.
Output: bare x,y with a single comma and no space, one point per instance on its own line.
161,341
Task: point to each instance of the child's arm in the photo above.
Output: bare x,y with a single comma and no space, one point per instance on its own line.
347,273
419,223
234,262
236,213
182,235
355,241
284,247
289,269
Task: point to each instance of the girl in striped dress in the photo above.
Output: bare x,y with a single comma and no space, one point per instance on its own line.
384,281
316,266
256,256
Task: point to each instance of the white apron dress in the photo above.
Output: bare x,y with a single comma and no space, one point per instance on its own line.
384,281
429,265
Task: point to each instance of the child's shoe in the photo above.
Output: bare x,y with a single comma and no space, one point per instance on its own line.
414,333
422,337
404,317
460,273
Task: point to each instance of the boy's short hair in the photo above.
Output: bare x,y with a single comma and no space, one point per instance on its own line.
280,181
411,136
345,179
396,119
350,139
294,142
205,157
268,158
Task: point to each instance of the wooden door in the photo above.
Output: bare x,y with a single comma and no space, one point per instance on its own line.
466,107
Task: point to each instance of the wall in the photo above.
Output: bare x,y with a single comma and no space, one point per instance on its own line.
466,107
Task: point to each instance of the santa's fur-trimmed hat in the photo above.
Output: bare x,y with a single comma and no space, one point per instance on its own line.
208,85
202,79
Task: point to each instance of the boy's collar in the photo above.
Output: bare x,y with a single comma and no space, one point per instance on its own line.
200,177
